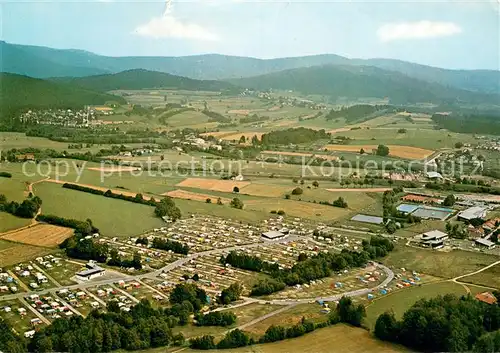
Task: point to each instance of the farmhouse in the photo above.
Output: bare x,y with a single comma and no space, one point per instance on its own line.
471,213
486,297
92,271
272,235
433,239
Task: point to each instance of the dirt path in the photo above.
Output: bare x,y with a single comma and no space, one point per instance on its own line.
267,316
47,275
475,272
21,284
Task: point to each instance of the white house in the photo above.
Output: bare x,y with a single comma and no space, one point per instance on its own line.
92,271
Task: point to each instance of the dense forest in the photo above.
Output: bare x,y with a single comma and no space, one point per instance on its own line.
293,136
141,79
469,123
21,93
26,209
357,113
444,324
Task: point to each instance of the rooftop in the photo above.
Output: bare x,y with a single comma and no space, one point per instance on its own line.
473,212
486,297
484,242
273,234
434,234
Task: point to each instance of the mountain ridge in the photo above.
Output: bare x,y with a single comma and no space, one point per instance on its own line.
80,63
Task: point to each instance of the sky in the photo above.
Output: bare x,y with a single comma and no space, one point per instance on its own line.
447,33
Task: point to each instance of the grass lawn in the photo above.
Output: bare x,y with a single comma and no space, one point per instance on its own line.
335,339
401,300
13,188
488,278
437,263
113,217
289,318
10,222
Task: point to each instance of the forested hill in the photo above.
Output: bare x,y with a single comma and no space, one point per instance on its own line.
46,62
21,92
361,82
140,79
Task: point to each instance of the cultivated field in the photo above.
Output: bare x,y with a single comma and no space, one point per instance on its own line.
406,152
187,195
114,169
213,184
13,253
265,190
45,235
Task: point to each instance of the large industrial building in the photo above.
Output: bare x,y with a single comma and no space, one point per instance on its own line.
472,213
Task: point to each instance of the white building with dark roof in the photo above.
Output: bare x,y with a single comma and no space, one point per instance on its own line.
92,271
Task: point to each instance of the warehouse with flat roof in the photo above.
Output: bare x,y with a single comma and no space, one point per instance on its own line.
472,213
273,235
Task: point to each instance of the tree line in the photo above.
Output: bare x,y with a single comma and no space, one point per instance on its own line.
26,209
293,136
170,245
357,112
164,208
5,175
444,324
345,312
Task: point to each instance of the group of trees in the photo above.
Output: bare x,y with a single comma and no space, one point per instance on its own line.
309,269
167,208
340,202
293,136
233,339
82,228
26,209
216,318
444,324
345,312
230,294
460,186
357,112
86,249
170,245
142,328
116,260
382,150
236,203
468,123
216,117
191,293
5,175
9,341
457,231
138,198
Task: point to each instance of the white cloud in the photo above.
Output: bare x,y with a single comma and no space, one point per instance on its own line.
168,26
416,30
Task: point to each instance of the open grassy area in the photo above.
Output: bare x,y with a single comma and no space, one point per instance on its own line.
335,339
438,263
14,189
289,318
424,138
113,217
10,222
488,278
401,300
